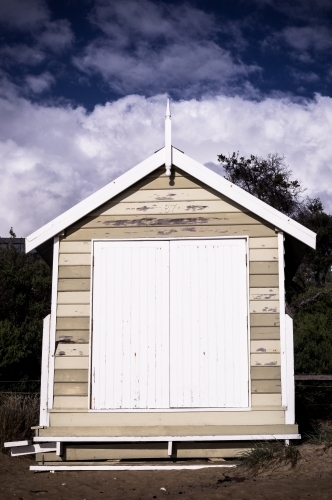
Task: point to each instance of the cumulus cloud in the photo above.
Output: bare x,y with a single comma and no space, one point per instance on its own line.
148,47
317,38
57,35
21,54
53,157
23,14
40,83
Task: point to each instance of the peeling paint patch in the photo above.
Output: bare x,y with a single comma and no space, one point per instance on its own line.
169,196
195,208
261,349
166,232
144,208
62,353
266,296
271,363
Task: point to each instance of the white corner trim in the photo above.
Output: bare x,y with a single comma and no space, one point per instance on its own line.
126,467
282,315
290,411
44,415
240,196
55,270
95,200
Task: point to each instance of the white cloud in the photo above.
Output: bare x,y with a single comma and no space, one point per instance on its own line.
304,43
23,14
40,83
305,38
57,35
22,54
153,48
53,157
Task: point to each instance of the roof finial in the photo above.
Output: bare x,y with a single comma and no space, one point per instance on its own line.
168,139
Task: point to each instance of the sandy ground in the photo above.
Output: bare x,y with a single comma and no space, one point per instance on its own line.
311,478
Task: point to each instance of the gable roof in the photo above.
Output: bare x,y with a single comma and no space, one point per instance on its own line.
188,165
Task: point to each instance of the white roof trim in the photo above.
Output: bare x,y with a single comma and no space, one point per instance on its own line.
95,200
246,200
195,169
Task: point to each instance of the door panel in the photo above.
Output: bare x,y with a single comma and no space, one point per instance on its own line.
208,324
170,324
130,355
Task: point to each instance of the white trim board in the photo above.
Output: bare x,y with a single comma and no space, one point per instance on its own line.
289,346
146,439
126,467
95,200
44,415
281,274
191,167
56,247
244,199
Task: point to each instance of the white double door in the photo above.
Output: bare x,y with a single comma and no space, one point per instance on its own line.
169,324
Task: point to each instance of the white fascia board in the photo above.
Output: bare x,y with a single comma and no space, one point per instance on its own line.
18,451
54,468
246,200
12,444
95,200
148,439
197,170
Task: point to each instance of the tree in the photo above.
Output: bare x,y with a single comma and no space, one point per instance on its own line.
309,294
25,291
269,179
317,263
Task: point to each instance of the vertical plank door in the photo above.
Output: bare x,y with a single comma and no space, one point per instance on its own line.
208,324
130,347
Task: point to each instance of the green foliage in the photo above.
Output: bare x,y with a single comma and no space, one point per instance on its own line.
309,295
322,435
313,330
268,179
269,454
25,289
317,263
18,413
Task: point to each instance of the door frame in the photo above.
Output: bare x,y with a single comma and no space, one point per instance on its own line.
166,410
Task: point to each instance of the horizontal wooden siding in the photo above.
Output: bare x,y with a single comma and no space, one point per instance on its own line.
158,207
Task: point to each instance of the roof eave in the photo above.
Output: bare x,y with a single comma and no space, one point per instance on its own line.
195,169
101,196
243,198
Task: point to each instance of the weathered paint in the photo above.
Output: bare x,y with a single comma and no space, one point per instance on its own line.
130,350
208,311
171,203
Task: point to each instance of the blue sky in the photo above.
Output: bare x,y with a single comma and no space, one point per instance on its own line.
83,86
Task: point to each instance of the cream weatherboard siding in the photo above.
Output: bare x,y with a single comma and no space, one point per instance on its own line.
159,207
